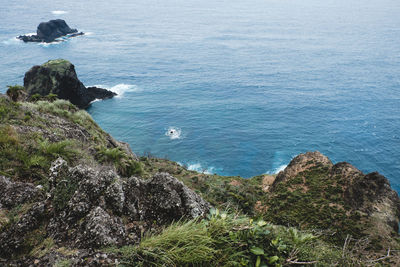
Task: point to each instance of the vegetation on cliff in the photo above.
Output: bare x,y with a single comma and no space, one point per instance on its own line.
71,195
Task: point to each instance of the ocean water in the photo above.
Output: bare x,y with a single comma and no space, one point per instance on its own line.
230,87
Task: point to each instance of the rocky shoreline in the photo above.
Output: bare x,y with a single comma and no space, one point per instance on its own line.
71,194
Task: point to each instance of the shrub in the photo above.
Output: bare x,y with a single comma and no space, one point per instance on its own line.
63,192
35,97
15,92
51,97
124,164
58,149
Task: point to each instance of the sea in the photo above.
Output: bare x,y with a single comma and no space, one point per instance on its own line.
230,87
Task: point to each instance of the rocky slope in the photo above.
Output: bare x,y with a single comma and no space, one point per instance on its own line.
71,195
338,196
63,179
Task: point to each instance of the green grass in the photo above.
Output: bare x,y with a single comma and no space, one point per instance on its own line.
124,164
62,149
315,204
225,239
63,263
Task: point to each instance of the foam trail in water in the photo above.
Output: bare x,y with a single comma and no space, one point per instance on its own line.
58,12
122,88
173,133
198,168
49,44
11,41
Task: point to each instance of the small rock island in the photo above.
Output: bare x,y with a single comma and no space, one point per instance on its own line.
49,31
59,77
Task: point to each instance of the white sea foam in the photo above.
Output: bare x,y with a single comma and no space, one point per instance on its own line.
119,89
96,100
198,168
59,12
11,41
44,44
173,133
277,170
122,88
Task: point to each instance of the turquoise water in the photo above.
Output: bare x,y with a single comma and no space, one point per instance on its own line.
243,85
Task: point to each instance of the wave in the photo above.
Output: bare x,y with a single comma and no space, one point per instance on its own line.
122,88
96,100
119,89
173,133
44,44
277,170
12,41
59,12
198,168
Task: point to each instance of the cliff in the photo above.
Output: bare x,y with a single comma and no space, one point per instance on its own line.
58,78
71,195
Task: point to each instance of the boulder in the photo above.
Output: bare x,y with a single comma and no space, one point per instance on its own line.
49,31
163,199
99,208
59,77
13,194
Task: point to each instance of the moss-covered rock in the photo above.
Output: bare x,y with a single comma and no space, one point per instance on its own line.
312,193
58,77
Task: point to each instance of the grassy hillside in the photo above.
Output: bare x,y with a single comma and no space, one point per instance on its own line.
304,220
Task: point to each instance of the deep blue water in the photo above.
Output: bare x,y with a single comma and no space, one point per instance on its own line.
247,84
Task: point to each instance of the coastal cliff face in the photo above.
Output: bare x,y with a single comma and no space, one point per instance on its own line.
71,194
63,179
335,196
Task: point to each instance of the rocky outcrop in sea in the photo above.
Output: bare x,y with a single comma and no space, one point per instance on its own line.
59,77
49,31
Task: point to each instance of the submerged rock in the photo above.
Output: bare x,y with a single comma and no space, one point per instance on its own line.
59,77
49,31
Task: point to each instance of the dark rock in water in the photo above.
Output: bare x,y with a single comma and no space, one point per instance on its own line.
49,31
59,77
99,93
